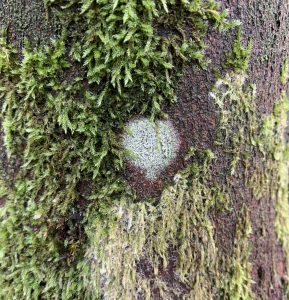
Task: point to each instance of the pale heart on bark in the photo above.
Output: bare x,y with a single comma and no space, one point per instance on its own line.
151,146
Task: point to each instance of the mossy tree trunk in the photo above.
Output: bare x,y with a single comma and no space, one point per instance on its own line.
230,242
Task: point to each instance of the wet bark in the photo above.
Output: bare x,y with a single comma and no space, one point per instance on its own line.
267,24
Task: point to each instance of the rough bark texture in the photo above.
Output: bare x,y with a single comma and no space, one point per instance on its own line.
267,24
26,20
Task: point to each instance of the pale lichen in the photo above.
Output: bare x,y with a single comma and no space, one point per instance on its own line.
151,146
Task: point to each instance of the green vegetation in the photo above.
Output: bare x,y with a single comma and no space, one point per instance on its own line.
284,71
133,50
237,285
239,57
236,103
62,109
274,175
71,227
131,234
243,135
237,122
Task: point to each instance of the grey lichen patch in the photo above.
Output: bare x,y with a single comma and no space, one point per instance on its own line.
151,146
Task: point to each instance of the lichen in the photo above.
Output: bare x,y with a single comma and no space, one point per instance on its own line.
151,147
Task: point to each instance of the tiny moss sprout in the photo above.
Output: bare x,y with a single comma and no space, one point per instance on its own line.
238,58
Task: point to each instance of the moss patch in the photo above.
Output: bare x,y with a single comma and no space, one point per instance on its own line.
71,227
63,108
239,57
144,243
238,283
136,235
273,174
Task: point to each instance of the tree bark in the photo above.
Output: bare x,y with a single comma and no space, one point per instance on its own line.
266,24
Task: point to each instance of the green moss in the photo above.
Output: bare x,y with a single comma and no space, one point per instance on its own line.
284,71
71,227
237,285
126,235
243,136
235,100
122,50
274,177
63,107
236,133
239,57
237,120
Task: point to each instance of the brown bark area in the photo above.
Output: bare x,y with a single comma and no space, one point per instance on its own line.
267,24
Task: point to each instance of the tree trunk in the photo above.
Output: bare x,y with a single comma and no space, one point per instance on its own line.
79,218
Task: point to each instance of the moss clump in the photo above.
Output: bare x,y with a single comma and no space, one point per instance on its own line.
63,107
176,233
133,50
237,285
237,121
235,100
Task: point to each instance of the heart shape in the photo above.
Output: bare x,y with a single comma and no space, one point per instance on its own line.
151,146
